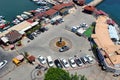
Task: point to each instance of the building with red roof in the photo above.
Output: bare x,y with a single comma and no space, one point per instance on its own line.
51,13
63,8
89,9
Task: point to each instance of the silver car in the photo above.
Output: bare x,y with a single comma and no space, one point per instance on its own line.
42,59
72,62
65,63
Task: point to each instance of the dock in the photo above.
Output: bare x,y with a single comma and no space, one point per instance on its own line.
93,3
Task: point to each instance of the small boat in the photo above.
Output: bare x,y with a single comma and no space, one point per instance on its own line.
45,7
2,26
41,2
24,16
27,13
35,0
16,21
39,10
20,18
1,17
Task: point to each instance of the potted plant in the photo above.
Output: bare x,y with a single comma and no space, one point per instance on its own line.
19,43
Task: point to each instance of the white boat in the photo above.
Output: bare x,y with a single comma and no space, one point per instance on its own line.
35,0
24,16
45,7
20,18
1,17
41,2
16,21
27,13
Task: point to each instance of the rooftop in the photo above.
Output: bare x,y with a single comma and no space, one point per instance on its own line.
50,12
60,6
103,40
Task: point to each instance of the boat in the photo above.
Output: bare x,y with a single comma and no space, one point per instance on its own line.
35,0
45,7
20,18
41,2
1,17
27,13
24,16
16,21
39,10
3,22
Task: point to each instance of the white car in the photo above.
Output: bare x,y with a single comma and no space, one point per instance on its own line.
65,63
50,61
72,62
42,59
90,59
3,63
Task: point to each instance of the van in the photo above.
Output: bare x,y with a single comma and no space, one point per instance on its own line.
50,61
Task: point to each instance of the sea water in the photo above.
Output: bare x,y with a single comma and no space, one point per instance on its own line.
111,7
10,8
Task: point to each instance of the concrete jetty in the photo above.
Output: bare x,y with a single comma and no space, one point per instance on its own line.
93,3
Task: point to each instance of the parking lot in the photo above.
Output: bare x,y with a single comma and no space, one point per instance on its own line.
40,45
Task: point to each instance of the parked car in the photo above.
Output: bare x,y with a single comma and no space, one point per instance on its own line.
43,29
50,61
72,62
64,48
37,32
65,63
78,62
84,60
30,36
42,59
90,59
34,34
58,64
3,63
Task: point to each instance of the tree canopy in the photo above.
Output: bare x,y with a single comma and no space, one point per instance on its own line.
57,74
60,74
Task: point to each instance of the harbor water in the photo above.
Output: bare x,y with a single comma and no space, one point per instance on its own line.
112,7
9,9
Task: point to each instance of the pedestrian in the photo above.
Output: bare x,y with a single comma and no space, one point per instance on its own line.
28,41
80,50
75,55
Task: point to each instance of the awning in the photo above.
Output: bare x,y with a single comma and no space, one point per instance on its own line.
4,39
20,57
21,32
26,28
11,46
34,24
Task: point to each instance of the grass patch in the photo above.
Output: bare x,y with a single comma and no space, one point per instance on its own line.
89,31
